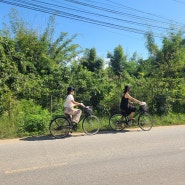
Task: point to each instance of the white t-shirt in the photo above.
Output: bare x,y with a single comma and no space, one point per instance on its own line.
68,103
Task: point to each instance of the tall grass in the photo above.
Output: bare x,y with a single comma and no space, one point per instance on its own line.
9,128
165,120
170,119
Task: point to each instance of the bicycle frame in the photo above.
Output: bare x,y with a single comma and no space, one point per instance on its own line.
137,114
61,125
84,115
119,120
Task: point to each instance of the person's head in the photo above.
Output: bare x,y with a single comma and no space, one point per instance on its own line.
127,88
70,89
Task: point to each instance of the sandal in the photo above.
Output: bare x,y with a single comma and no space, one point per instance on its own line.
123,125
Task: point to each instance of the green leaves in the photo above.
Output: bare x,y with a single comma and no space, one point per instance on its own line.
117,60
40,67
91,61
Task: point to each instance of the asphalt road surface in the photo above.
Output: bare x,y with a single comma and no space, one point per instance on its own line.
133,157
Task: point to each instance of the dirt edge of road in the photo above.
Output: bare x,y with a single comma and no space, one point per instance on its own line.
4,141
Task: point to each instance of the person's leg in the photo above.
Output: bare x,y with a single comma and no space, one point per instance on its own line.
76,113
131,115
132,110
123,118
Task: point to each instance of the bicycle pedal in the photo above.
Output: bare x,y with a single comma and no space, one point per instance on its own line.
74,127
130,123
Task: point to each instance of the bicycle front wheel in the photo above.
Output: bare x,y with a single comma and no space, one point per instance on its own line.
91,125
116,122
59,127
145,121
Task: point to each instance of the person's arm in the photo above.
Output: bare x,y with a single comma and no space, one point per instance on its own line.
132,99
77,103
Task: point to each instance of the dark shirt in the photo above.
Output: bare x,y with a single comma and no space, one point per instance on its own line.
124,102
125,105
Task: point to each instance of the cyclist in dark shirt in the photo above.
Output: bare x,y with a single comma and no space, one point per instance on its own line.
127,103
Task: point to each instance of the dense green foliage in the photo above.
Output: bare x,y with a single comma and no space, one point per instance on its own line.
36,69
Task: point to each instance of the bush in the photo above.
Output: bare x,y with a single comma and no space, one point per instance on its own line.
162,104
169,119
32,119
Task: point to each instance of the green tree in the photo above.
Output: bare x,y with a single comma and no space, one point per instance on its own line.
91,61
167,71
61,50
33,66
117,60
150,44
8,73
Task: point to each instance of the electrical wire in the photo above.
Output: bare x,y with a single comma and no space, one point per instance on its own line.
106,17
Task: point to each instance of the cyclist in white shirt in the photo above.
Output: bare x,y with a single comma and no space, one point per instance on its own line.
69,105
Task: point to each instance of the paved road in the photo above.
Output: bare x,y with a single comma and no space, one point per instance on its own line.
133,157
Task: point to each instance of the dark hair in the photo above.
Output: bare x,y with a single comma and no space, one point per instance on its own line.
70,89
127,88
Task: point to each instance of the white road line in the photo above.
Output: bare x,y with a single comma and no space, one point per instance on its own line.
182,148
34,168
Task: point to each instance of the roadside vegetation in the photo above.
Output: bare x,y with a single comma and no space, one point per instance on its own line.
36,69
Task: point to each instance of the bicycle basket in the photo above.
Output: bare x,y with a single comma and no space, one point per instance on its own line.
89,109
143,108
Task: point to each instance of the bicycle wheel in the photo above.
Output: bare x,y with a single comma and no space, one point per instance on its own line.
145,121
116,122
59,127
91,125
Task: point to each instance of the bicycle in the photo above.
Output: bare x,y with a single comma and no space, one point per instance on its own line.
61,125
118,121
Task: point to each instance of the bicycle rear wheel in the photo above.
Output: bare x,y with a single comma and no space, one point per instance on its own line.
59,127
116,122
91,125
145,121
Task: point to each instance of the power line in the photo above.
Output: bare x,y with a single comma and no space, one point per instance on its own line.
121,13
179,1
143,12
108,17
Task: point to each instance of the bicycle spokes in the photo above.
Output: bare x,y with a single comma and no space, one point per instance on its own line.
117,122
91,124
59,127
145,122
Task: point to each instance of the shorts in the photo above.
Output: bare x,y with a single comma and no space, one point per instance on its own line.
129,109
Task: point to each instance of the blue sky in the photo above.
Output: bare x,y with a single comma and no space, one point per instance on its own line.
152,15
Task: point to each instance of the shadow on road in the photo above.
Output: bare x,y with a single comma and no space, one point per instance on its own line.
75,134
118,132
37,138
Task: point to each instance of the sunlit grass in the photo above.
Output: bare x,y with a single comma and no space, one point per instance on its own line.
170,119
8,129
